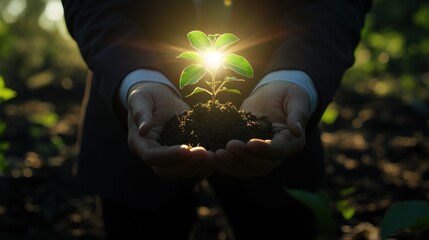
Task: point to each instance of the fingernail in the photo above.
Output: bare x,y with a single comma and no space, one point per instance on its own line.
184,146
142,124
301,129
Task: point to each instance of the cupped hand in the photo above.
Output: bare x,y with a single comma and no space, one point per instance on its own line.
150,106
287,107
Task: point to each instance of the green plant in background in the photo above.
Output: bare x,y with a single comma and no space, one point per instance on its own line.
343,206
5,94
320,203
330,115
208,58
412,215
408,215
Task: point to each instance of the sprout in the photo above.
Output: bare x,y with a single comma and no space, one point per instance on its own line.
209,56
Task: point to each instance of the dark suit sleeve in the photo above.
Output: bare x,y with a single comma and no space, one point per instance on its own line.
110,42
320,38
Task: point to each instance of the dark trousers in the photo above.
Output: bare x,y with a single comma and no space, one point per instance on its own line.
176,218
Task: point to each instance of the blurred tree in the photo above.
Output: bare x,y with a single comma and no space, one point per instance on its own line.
36,53
36,50
392,58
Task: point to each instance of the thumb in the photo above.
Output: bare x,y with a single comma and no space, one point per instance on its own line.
297,109
141,109
145,124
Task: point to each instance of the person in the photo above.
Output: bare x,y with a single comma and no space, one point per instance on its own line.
299,51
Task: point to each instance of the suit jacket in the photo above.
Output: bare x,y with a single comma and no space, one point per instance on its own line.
116,37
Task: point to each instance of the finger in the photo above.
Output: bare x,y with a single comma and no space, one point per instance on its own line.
226,163
229,165
157,156
209,166
248,161
140,145
258,162
141,108
187,167
200,162
150,151
277,127
283,145
265,148
297,109
163,156
239,150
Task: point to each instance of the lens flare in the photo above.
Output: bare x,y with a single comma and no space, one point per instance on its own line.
213,59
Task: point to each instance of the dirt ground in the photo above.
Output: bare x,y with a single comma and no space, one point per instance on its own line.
377,153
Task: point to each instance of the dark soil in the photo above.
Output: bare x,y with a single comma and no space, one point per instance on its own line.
212,125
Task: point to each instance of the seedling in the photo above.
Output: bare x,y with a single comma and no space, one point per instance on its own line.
213,124
210,55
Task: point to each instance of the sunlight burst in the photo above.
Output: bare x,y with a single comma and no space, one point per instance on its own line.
213,59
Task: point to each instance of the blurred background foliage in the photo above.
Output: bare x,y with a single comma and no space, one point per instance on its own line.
35,49
38,62
392,58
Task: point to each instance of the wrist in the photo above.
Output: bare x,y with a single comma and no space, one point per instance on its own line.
296,77
152,90
142,76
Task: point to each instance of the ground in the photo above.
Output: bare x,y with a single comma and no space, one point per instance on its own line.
376,151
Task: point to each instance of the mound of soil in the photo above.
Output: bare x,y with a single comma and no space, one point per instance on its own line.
212,125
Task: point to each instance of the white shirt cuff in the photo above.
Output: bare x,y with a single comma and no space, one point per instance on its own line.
297,77
142,75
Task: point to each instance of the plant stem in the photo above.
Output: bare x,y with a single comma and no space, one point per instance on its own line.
220,87
213,86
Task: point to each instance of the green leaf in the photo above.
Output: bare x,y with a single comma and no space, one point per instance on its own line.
413,214
199,40
232,79
46,119
57,141
225,40
198,90
2,84
5,93
319,203
2,127
344,207
4,146
193,56
347,191
238,64
3,164
230,90
192,74
330,115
